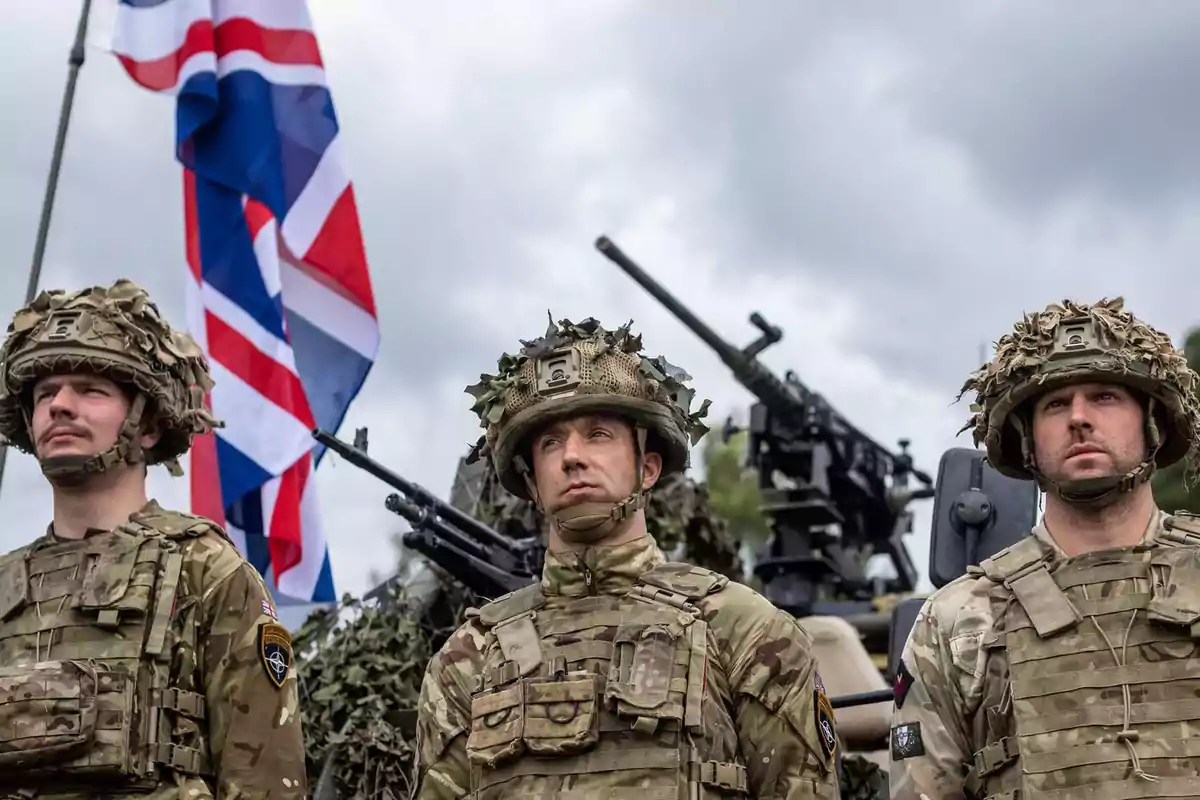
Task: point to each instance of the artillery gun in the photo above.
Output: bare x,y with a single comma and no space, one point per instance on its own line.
834,498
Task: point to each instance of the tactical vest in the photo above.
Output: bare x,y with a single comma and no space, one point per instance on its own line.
1092,685
86,652
608,696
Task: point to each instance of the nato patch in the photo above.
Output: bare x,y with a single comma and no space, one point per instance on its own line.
907,741
826,729
275,651
901,683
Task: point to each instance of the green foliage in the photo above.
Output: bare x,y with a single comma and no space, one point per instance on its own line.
733,489
1168,485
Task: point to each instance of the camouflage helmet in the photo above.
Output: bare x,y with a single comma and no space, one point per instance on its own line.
116,332
581,369
1076,342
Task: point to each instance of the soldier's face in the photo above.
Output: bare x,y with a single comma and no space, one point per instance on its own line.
76,414
1089,430
588,459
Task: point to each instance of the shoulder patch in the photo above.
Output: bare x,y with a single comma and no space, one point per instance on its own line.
823,714
907,741
275,651
901,684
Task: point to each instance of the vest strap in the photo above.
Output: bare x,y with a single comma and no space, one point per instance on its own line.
721,774
513,604
182,759
1182,528
520,642
1015,559
164,605
1047,606
995,756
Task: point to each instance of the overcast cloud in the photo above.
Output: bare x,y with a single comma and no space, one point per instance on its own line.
892,187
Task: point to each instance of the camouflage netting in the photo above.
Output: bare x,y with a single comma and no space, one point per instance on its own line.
359,683
577,369
862,779
1050,348
117,332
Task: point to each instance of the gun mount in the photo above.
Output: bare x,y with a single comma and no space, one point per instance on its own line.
840,508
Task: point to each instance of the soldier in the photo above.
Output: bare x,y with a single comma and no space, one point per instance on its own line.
619,674
1065,665
140,655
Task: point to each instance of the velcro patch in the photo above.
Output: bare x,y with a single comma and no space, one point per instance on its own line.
275,651
826,729
901,683
907,741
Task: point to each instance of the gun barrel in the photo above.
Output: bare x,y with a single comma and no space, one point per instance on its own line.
420,519
728,353
419,495
863,698
476,573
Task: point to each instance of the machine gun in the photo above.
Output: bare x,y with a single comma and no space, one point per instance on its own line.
840,478
487,563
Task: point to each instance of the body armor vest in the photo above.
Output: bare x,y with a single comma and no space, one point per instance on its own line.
87,656
1093,673
604,696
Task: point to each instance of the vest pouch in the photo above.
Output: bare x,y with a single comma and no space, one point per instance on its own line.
47,714
1176,597
561,714
642,671
119,577
497,726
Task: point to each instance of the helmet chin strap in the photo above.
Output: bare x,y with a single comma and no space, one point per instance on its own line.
591,522
1093,494
75,470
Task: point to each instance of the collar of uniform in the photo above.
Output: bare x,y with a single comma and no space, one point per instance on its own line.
613,569
1153,529
149,510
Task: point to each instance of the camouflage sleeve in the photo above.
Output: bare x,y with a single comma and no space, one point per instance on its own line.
785,725
443,719
930,741
250,685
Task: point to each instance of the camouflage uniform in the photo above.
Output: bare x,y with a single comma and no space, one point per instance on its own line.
619,674
1040,675
144,661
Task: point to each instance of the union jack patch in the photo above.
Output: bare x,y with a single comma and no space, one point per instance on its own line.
269,610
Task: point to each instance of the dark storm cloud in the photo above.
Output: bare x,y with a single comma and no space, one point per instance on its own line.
1053,102
890,185
951,169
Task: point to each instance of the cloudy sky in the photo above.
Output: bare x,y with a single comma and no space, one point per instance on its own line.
893,188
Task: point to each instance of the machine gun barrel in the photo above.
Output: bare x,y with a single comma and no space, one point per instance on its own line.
733,358
422,499
421,520
790,400
863,698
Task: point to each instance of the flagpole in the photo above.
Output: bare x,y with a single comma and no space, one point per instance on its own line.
74,62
